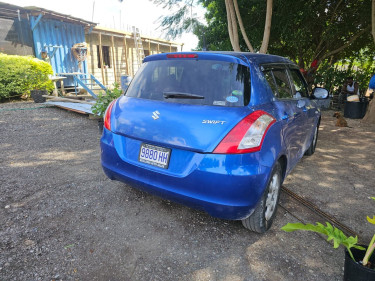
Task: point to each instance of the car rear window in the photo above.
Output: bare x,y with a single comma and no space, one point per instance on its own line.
202,82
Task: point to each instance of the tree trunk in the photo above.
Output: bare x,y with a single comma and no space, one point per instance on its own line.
243,31
267,28
229,22
370,114
236,42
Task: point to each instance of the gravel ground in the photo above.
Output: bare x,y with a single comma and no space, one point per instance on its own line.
62,219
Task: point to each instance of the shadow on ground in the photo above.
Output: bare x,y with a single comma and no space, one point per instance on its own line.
61,218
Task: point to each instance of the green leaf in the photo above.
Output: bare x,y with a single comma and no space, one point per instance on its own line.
104,99
332,233
371,220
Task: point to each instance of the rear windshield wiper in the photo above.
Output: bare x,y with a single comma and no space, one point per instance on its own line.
178,95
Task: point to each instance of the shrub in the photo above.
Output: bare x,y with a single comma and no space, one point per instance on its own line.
332,77
104,100
20,74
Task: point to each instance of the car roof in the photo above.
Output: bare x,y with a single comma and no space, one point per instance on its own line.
243,56
256,57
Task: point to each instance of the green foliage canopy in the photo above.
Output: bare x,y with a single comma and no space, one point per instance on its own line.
301,30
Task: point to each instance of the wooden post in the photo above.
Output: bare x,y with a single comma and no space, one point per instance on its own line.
158,48
126,56
114,59
170,47
149,47
101,58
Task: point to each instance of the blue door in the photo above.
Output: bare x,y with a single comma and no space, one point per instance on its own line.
290,112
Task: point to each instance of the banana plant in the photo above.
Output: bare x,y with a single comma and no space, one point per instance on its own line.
335,234
332,233
371,246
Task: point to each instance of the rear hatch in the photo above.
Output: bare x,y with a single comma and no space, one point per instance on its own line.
188,102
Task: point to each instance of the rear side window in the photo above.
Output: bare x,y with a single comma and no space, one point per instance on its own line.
202,82
299,86
286,84
282,82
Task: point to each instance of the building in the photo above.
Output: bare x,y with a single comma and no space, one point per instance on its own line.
15,33
78,50
119,52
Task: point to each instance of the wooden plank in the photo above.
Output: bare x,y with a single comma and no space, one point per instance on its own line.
126,56
149,47
78,97
114,58
52,98
158,48
170,48
101,58
71,109
76,107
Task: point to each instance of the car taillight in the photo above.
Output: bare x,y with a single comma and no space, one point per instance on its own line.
182,56
107,116
248,135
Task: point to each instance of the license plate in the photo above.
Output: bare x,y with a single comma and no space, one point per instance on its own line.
154,155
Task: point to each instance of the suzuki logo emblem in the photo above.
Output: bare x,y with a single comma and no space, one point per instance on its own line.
155,115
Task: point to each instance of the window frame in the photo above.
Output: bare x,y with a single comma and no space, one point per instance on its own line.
106,51
270,67
177,73
293,68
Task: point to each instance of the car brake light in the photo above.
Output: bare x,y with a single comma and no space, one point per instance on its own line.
182,56
248,135
107,116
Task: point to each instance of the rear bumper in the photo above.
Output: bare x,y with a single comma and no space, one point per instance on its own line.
225,186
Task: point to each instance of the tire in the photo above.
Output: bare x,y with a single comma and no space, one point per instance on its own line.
310,151
261,219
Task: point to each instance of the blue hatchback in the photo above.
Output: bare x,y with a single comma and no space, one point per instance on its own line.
217,131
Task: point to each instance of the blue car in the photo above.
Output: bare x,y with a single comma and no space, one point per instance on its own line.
216,131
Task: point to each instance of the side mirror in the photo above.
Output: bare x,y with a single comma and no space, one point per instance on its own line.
320,93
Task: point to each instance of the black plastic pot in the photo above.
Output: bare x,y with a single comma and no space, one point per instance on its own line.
37,95
354,271
355,110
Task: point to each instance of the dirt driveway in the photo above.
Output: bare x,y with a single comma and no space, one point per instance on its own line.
62,219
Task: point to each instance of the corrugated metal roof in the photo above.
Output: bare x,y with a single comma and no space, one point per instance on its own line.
11,11
55,15
111,31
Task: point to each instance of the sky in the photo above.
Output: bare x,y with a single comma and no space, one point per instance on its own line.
143,14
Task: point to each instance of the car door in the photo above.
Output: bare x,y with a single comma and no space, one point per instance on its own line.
288,110
300,93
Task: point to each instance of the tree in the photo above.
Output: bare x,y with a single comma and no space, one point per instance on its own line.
301,30
181,21
232,25
267,28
